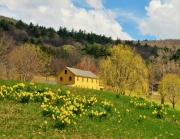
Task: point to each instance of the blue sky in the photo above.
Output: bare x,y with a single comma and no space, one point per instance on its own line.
125,19
137,8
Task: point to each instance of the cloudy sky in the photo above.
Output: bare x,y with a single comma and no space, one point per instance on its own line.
125,19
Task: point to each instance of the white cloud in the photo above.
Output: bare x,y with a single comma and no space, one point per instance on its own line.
42,9
63,13
129,15
163,19
97,4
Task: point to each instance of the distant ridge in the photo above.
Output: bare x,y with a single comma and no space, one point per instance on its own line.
51,39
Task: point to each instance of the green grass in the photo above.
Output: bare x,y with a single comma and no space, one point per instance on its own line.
25,120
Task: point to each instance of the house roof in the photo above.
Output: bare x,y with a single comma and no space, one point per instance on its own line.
82,72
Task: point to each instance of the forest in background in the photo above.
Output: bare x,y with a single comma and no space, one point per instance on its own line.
55,49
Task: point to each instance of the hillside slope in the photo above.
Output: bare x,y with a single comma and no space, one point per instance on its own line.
100,114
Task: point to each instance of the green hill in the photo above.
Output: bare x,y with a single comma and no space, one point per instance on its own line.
55,112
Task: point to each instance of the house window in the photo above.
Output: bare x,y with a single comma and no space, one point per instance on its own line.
82,79
65,71
87,79
70,78
77,78
92,80
61,78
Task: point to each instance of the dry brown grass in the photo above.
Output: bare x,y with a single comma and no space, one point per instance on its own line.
40,78
7,18
161,43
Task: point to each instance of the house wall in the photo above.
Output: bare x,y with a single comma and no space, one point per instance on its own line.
78,81
86,82
65,77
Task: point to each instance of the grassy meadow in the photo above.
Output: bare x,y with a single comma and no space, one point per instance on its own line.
36,110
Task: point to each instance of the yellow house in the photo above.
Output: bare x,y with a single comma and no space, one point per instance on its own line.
78,78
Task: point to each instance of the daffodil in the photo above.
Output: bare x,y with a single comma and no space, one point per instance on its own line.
45,122
67,92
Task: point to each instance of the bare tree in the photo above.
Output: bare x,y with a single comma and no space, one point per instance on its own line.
87,63
56,65
161,66
7,43
27,61
73,58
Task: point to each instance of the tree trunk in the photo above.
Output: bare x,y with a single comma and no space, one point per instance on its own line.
162,100
173,105
152,90
173,102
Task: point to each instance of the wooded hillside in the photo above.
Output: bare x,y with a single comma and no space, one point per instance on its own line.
79,49
50,40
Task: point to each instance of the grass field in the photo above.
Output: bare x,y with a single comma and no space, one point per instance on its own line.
127,118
